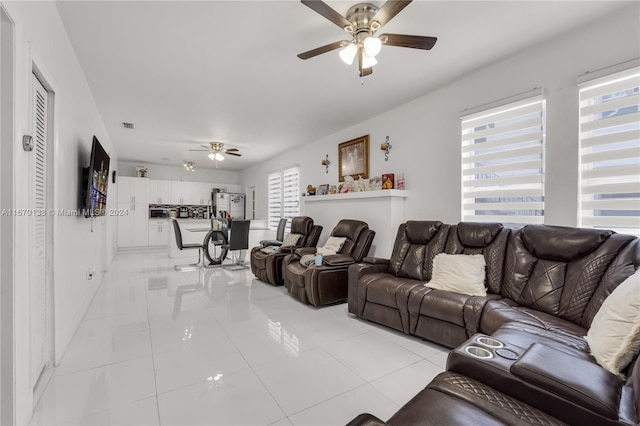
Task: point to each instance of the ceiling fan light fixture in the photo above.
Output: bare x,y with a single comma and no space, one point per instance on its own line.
372,46
219,157
368,61
348,54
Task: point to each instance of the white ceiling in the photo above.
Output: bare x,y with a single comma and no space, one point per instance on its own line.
187,73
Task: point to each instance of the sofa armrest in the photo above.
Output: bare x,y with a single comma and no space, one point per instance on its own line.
366,419
356,271
301,251
338,260
265,243
375,260
574,379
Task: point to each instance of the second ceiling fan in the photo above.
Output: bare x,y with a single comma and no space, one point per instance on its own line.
216,149
362,22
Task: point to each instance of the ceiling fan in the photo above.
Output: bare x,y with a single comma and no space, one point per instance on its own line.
362,22
216,149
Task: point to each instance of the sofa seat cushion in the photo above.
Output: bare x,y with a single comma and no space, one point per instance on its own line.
386,289
499,312
444,305
524,335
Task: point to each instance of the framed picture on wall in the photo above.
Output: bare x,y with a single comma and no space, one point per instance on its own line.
353,158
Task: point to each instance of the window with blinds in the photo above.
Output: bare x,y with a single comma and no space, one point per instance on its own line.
610,152
503,163
275,199
290,194
284,196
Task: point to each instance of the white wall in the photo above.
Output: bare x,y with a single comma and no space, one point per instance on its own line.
42,41
156,171
425,132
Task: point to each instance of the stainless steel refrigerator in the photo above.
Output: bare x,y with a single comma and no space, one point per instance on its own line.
234,204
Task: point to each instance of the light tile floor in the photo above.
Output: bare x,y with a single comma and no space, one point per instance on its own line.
219,347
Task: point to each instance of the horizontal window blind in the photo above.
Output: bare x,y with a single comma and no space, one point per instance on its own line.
291,194
275,199
503,163
610,152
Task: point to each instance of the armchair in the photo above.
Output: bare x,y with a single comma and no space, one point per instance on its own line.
268,266
327,284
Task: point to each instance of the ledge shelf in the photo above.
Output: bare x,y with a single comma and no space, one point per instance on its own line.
383,193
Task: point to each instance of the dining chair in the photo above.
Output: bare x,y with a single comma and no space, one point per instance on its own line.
238,241
182,246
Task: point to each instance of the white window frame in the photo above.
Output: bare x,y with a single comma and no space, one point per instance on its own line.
503,160
609,182
283,195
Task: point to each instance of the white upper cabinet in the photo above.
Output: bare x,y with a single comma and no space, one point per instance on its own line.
159,191
132,190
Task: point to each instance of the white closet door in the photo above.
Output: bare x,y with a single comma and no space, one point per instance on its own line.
39,230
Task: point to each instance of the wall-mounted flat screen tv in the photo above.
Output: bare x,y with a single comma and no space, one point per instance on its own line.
97,181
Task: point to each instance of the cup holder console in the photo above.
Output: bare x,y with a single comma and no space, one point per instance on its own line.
478,352
490,342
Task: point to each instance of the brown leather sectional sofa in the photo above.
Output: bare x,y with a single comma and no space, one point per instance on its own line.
544,287
268,266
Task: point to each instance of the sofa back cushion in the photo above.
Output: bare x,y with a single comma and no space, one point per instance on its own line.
488,239
349,229
417,243
301,225
558,270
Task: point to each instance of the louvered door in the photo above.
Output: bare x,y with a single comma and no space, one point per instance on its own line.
39,230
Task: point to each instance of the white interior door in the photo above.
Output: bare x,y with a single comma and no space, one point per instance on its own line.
38,284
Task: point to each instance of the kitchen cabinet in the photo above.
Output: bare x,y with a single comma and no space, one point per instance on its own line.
158,191
158,233
201,193
190,193
132,190
133,228
177,192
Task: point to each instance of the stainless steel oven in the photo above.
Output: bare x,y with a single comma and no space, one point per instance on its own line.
159,213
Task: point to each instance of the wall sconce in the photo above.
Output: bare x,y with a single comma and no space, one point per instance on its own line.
386,147
189,166
326,163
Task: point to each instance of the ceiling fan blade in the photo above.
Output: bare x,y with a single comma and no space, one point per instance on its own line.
388,10
323,49
231,149
206,146
414,42
363,71
199,150
325,10
233,153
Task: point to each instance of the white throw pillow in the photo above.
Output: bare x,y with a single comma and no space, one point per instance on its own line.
459,273
291,240
334,243
614,336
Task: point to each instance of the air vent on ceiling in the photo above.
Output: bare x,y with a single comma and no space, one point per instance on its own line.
127,125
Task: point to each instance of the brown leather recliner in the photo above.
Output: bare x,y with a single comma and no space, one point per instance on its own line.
327,284
268,266
379,288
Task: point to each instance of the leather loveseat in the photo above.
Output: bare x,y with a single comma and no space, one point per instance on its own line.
544,286
327,284
268,266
